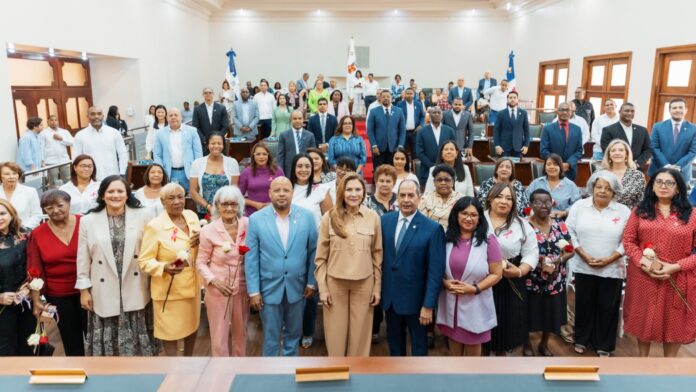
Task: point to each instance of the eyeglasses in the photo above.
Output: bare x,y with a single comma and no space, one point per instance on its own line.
230,204
665,183
445,180
539,203
467,215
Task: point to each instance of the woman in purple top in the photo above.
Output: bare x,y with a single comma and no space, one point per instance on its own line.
255,180
466,312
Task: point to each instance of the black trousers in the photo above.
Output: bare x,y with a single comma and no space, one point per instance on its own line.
265,128
309,318
377,318
384,158
72,324
410,146
397,325
597,302
15,327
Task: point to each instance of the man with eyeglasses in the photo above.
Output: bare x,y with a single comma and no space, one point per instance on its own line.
210,117
674,141
563,138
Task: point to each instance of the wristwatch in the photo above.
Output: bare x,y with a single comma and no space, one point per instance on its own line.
478,290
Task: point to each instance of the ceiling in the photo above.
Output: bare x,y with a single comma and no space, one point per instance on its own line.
220,10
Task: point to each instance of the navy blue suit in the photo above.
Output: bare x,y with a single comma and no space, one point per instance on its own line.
418,121
411,279
467,97
553,141
314,126
665,152
510,135
482,86
427,148
387,133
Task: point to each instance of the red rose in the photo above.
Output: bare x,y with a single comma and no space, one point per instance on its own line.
243,249
178,263
648,245
527,211
568,248
43,340
34,272
206,217
553,203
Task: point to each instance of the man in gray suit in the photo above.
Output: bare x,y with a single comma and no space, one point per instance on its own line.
293,141
246,116
463,124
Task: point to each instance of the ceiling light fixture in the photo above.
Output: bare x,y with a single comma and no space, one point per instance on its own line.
318,12
51,52
84,56
241,11
10,47
508,6
473,11
396,12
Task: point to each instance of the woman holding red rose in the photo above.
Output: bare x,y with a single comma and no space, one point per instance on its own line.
660,302
220,263
546,284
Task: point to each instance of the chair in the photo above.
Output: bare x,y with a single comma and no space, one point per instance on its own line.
535,130
273,146
546,117
484,171
524,172
538,168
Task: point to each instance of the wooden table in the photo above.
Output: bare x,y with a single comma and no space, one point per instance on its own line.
217,374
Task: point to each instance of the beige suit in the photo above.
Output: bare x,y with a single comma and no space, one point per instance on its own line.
96,266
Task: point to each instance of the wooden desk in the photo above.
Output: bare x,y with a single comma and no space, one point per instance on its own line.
239,149
524,170
534,150
135,173
217,374
587,150
584,170
482,149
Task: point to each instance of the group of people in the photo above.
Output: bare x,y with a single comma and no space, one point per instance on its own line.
297,227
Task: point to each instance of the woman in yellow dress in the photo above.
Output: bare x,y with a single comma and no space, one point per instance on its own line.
168,253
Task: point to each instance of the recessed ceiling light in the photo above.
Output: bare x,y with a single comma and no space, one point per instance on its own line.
508,6
241,11
10,47
473,11
396,12
318,12
51,52
84,56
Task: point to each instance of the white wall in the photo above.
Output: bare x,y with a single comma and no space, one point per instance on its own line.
578,28
170,44
432,53
113,81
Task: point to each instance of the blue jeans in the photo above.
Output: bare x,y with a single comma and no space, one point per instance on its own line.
597,155
274,318
492,115
179,176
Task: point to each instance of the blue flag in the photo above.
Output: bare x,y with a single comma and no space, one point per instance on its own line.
510,75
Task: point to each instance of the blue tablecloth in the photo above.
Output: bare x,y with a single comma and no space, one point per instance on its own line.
469,382
97,383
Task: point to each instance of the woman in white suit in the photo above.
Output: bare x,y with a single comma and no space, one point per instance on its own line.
112,287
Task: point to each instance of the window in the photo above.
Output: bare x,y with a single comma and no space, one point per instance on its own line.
552,87
606,76
674,76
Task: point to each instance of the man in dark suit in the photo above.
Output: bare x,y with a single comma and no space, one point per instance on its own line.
413,268
294,141
463,124
462,92
414,113
209,118
322,125
429,140
511,129
673,141
386,130
485,83
563,138
639,138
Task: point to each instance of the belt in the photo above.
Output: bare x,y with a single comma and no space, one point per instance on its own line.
177,168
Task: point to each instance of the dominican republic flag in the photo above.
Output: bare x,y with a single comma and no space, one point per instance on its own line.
231,72
351,68
510,75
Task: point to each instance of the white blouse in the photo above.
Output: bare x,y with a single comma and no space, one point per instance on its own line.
81,202
25,200
311,202
465,187
599,233
410,176
155,205
513,242
229,166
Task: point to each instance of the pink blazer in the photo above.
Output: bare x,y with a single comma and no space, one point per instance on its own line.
342,110
214,263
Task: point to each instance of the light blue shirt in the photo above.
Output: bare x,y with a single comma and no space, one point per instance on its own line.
30,152
565,194
187,115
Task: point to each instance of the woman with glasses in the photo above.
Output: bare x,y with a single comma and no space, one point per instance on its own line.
504,172
474,264
660,296
546,285
221,266
83,185
438,203
563,191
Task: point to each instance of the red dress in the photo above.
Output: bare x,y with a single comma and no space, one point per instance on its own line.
653,311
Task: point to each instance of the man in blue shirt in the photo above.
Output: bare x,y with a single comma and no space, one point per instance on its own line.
30,151
187,113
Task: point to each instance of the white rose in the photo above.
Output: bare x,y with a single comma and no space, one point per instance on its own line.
36,284
562,244
649,253
226,247
203,222
34,339
182,255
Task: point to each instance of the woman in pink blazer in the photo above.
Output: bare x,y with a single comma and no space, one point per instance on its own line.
220,263
336,105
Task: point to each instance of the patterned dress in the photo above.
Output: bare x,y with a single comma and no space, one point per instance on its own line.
520,195
210,183
546,292
375,205
438,209
129,333
653,311
633,186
